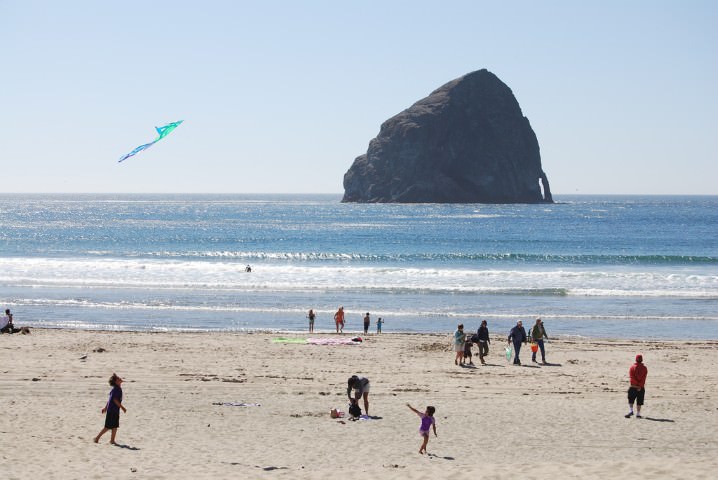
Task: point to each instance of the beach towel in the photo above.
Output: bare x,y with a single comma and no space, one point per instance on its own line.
288,340
332,341
237,404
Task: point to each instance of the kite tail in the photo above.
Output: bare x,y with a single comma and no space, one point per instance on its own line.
135,151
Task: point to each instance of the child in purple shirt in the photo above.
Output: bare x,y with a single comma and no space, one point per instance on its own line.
427,422
114,404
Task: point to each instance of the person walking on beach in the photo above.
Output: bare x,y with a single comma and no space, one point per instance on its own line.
482,335
311,316
517,336
636,392
367,322
459,340
468,343
339,320
360,385
112,409
379,322
427,423
538,333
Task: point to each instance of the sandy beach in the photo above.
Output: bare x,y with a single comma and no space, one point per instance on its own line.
564,420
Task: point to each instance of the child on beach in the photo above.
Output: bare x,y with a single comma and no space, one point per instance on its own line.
467,352
114,404
354,409
427,422
379,322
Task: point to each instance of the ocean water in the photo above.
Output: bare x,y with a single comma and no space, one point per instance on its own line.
597,266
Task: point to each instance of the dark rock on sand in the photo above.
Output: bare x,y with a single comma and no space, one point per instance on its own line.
467,142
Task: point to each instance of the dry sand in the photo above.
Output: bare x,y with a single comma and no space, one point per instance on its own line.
496,421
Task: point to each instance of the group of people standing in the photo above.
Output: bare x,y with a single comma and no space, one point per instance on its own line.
517,337
462,344
537,335
340,321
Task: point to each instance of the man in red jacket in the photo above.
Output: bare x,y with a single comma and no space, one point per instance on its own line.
636,392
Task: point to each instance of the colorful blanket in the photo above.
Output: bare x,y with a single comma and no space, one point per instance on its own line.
332,341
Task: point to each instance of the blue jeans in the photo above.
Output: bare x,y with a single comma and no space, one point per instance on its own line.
539,341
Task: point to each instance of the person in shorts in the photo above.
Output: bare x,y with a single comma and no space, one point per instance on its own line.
637,391
360,385
112,409
339,320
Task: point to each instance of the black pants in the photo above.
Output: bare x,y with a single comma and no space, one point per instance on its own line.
483,349
517,349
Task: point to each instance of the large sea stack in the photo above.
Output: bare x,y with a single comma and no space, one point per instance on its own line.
467,142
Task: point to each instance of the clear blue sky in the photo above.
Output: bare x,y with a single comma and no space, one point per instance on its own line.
281,96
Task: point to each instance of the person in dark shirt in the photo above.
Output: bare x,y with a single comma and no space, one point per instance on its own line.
483,341
311,316
467,352
112,409
538,335
517,336
354,409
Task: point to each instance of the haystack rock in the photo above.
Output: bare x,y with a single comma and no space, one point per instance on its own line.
467,142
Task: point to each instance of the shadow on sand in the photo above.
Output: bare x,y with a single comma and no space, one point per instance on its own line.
437,456
127,447
659,419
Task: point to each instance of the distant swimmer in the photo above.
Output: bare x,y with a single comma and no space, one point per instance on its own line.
248,269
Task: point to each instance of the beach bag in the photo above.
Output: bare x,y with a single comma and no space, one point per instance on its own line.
509,352
534,347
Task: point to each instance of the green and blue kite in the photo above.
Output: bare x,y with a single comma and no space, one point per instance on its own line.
162,131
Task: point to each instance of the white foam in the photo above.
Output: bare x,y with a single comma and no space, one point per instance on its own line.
637,281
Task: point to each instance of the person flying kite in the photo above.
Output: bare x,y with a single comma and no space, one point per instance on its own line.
162,131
